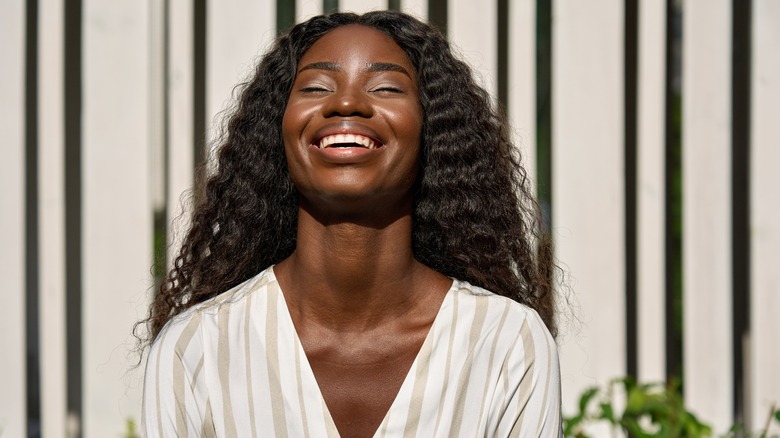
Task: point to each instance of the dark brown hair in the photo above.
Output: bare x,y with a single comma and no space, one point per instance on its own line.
474,216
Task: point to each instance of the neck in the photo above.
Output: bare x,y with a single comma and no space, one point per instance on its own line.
348,273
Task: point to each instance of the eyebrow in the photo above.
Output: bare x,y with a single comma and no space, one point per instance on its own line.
329,66
372,67
386,66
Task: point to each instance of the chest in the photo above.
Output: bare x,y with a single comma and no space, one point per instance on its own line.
261,379
360,380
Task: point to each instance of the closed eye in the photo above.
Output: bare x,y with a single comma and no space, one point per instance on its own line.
314,89
387,89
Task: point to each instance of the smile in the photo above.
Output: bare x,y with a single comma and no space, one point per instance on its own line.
347,141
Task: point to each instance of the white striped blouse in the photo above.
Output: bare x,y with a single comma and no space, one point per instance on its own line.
233,366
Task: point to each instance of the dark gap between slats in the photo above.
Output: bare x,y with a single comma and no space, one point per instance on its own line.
31,215
630,181
740,201
673,193
73,206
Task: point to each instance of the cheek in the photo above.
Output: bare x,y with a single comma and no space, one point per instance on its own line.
413,123
294,123
296,117
406,123
289,123
413,129
411,137
291,133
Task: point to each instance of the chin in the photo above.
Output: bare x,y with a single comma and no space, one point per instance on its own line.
356,204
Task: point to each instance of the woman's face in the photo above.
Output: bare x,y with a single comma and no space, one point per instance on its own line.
353,121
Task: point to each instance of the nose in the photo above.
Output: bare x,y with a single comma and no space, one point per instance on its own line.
348,102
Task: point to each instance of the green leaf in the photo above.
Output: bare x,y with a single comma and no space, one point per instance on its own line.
636,400
570,424
607,412
635,430
586,397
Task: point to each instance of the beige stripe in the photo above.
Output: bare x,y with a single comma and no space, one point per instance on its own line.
515,431
383,426
418,390
299,380
496,336
505,374
197,371
208,430
504,377
157,380
462,387
546,384
179,382
272,361
248,363
526,381
223,367
450,343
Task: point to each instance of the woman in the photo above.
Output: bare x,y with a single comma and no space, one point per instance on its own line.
335,279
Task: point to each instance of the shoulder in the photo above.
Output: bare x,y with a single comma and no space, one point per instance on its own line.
500,314
185,330
511,352
527,398
509,333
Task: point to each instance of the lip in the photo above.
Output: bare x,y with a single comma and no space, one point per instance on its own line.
345,127
344,156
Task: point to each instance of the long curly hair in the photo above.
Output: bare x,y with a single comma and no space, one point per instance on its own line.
474,215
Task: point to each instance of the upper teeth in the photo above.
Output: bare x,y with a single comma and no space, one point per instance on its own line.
347,138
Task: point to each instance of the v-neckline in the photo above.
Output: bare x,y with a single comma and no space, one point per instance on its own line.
306,365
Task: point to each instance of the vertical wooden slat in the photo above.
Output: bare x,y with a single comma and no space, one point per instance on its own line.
117,218
180,159
52,219
305,9
707,316
522,79
588,195
765,214
238,32
418,8
472,29
157,98
650,192
12,332
360,6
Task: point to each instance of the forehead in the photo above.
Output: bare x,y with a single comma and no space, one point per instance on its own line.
356,43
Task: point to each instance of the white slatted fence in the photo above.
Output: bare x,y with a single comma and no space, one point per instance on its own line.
764,356
360,6
651,141
305,9
180,139
588,194
522,79
418,8
12,216
466,24
116,207
51,204
147,66
707,210
237,33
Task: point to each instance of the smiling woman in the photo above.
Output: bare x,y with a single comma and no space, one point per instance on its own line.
354,82
367,259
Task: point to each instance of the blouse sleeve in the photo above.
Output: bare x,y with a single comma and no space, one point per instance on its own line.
175,402
531,406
